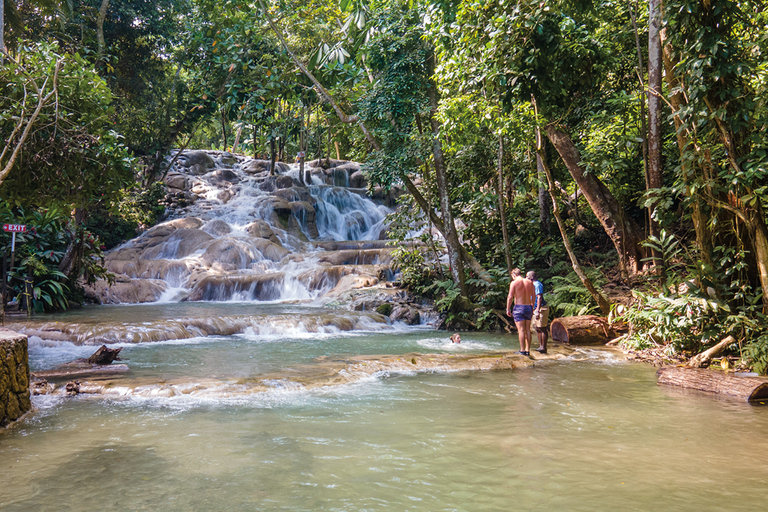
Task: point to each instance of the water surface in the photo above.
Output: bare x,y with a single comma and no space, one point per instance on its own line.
589,433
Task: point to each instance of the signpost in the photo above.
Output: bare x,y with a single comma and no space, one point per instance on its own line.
13,229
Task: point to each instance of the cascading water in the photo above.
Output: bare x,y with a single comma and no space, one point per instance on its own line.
250,236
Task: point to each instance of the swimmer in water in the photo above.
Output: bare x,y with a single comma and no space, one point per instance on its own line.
455,338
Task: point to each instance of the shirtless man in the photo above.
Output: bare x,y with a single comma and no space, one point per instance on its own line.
522,292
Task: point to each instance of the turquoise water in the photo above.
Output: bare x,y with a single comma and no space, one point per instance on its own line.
587,433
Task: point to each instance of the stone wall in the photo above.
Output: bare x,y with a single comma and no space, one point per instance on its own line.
14,376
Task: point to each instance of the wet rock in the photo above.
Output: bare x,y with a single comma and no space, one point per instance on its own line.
125,291
406,314
191,158
326,163
286,182
177,180
255,166
270,250
281,207
227,254
305,214
226,160
260,229
180,244
217,227
224,196
222,178
357,180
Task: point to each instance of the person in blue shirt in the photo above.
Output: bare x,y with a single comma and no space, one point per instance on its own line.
540,313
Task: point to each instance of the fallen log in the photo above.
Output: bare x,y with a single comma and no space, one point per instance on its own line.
105,355
720,383
75,369
703,359
582,330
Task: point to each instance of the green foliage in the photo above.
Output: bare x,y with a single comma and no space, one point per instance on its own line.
569,297
50,235
71,155
685,322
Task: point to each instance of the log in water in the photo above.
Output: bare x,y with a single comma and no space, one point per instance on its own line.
744,388
582,330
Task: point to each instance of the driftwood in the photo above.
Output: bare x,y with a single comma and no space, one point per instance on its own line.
79,369
582,330
703,359
105,355
720,383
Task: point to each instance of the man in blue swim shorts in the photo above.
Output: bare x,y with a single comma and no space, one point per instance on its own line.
521,291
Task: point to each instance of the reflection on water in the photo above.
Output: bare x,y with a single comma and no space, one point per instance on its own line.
594,434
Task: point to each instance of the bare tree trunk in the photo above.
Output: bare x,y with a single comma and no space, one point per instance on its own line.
237,138
502,211
272,156
654,103
2,31
451,235
223,129
622,230
643,119
544,203
602,302
42,101
100,29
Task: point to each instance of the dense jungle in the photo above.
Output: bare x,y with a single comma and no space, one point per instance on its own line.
617,148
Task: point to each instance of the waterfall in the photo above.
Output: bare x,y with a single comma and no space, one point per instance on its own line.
243,235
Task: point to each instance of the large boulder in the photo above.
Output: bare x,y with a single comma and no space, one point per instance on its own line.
269,250
260,229
284,181
217,228
177,180
226,254
305,214
222,177
357,180
405,313
125,291
180,244
188,158
254,166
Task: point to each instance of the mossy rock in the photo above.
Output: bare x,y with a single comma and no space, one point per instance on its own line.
384,309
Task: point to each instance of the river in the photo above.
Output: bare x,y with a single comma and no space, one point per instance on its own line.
589,432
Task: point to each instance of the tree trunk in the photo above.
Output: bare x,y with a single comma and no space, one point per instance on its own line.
502,210
544,200
451,235
237,138
701,360
223,129
720,383
582,330
100,30
621,229
602,302
272,156
654,105
699,216
424,205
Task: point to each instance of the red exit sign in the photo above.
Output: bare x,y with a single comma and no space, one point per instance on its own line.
15,228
